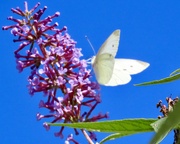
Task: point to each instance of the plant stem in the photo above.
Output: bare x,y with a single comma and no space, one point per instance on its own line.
87,137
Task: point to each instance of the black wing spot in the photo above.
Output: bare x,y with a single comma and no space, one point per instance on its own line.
131,66
110,55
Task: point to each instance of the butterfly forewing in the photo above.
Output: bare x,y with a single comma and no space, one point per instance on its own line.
110,46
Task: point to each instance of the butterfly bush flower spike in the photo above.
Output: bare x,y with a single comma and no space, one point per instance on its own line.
56,69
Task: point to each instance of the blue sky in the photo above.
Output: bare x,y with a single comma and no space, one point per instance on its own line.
149,31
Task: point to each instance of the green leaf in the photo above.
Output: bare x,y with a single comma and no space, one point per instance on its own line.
175,72
171,122
115,126
119,127
157,124
115,136
161,81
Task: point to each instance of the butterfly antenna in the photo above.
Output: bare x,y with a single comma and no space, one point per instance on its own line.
90,44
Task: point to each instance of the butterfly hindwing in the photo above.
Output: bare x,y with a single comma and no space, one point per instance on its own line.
103,67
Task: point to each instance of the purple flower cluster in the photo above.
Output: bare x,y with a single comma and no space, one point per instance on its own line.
56,68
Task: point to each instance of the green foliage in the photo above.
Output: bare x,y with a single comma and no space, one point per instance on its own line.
115,136
175,75
119,128
165,125
175,72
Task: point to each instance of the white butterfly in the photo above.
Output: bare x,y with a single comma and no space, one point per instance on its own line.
110,71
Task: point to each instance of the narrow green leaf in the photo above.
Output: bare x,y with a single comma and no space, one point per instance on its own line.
161,81
171,122
115,136
115,126
175,72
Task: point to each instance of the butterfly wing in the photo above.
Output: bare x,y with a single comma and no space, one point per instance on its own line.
103,67
110,46
123,68
131,66
103,63
110,71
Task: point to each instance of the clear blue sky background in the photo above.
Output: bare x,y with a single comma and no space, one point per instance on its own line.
150,31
